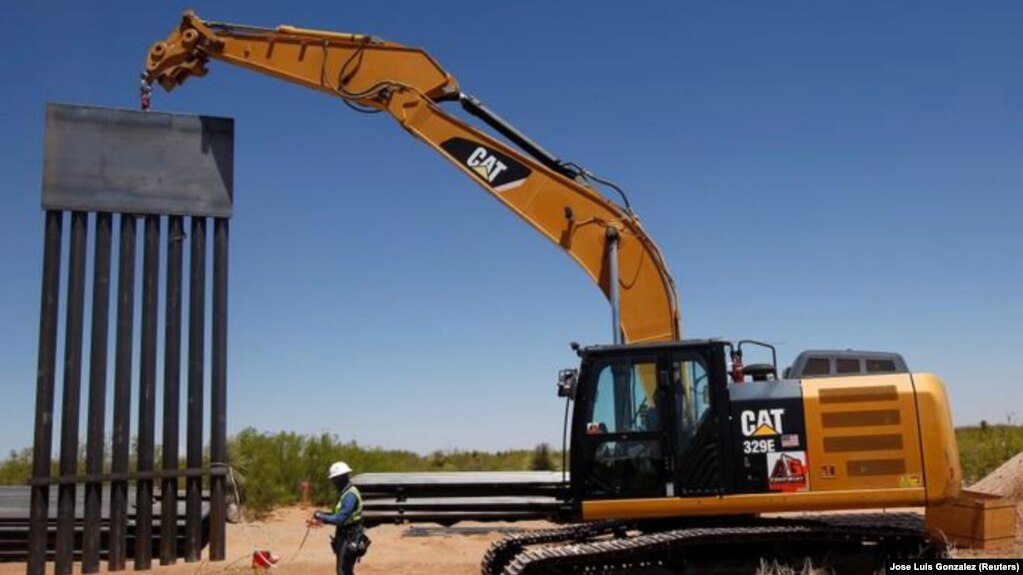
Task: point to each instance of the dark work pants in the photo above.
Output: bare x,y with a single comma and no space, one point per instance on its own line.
345,559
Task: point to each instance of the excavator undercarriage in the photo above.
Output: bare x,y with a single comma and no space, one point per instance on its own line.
847,543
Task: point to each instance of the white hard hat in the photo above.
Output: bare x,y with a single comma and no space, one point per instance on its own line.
339,468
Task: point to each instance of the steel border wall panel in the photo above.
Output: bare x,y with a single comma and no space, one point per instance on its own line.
126,161
139,166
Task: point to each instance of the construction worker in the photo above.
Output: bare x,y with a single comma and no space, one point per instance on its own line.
349,542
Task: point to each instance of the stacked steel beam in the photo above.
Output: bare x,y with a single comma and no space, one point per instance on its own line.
451,497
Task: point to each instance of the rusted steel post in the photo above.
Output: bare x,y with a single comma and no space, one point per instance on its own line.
171,391
97,392
72,393
196,359
218,397
147,393
121,437
40,504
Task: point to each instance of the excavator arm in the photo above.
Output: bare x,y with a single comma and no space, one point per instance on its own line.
371,74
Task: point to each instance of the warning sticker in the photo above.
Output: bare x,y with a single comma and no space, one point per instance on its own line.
787,471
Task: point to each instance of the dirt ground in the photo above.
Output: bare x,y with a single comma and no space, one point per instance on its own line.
393,551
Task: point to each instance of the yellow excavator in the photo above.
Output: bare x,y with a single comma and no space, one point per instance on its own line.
678,449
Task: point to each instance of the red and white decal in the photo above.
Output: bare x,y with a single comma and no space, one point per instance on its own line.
788,471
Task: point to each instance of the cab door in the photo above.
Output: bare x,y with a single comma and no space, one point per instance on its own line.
620,436
699,432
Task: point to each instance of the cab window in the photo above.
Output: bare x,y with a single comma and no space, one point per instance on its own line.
692,396
626,399
847,365
622,432
817,366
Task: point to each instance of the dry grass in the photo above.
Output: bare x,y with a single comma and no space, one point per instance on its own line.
774,568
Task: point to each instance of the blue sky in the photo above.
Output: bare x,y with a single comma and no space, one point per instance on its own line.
817,174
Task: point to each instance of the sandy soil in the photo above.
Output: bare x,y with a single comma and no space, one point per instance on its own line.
1006,481
392,551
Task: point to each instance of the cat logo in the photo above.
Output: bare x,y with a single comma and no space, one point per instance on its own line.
494,168
486,165
762,423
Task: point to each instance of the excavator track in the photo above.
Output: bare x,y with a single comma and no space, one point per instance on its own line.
856,543
501,552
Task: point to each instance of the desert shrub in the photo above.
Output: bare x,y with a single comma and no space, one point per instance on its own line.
541,459
17,468
270,467
982,449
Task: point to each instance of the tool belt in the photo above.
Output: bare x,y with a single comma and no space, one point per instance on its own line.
354,539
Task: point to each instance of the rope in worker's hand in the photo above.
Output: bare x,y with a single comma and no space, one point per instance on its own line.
264,555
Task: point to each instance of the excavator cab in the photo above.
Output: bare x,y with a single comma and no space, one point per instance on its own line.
648,421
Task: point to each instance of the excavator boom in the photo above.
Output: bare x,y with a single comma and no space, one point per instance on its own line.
353,66
554,197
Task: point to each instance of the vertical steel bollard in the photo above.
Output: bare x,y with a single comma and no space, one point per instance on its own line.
218,397
147,393
97,392
121,437
72,393
196,360
171,391
40,505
